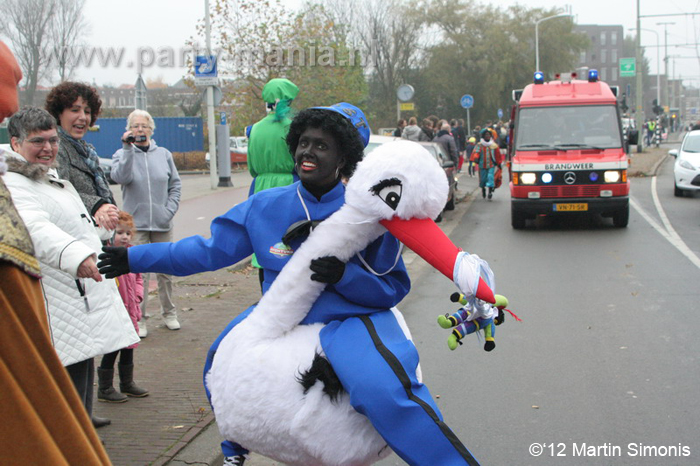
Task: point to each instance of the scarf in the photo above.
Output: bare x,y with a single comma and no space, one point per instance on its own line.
89,155
486,143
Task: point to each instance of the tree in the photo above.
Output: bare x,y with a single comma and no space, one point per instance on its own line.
28,31
67,31
487,51
257,40
390,37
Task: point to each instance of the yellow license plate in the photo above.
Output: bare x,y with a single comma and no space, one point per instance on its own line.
572,207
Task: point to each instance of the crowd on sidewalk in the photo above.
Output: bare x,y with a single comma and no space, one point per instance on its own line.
480,148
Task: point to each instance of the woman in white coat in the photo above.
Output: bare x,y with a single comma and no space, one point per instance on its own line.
86,313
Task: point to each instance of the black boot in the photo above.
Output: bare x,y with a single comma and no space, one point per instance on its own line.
126,382
105,390
98,422
490,193
483,193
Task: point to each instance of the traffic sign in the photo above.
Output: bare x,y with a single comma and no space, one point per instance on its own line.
500,113
628,67
205,66
407,106
466,101
222,118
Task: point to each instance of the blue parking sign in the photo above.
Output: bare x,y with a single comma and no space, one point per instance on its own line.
500,113
205,66
466,101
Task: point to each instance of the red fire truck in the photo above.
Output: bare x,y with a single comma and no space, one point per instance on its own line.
566,150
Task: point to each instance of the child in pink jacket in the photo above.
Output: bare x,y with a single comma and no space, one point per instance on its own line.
131,290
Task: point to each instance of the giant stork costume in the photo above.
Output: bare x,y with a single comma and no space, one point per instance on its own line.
398,187
260,371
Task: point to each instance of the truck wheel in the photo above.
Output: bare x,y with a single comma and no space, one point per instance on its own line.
517,219
621,217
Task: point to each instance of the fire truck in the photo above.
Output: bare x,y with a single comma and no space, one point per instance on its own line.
566,150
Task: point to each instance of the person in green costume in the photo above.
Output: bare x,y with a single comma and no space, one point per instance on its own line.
269,161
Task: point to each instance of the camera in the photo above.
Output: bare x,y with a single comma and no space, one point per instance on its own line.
133,139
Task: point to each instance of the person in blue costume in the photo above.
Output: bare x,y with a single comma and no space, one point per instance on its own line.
363,341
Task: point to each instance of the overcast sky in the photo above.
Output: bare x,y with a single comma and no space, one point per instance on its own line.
149,30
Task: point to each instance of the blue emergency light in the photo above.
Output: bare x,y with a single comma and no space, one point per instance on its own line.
539,77
592,76
547,178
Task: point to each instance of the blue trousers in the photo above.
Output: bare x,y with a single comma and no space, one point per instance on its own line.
376,364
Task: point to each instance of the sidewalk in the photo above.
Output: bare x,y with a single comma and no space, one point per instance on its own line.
174,425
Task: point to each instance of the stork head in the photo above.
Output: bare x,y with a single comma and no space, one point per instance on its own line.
398,179
403,187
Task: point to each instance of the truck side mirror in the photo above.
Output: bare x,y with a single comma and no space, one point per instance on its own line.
633,137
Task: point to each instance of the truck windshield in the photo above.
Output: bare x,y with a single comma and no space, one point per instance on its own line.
568,128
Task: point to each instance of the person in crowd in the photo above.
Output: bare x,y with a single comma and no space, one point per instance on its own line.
46,422
426,134
130,287
269,161
76,107
487,157
400,125
460,136
86,314
469,148
327,143
411,131
444,137
151,193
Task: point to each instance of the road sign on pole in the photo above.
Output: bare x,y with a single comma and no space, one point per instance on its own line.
500,113
466,101
628,67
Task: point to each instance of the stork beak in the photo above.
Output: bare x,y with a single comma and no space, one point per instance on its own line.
426,239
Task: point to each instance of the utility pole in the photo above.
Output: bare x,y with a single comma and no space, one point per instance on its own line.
213,177
639,113
666,87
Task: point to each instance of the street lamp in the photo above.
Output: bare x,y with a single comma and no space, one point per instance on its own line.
658,63
537,37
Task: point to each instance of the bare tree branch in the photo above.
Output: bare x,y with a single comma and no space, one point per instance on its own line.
28,31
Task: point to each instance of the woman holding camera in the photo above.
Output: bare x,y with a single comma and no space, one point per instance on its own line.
151,194
76,106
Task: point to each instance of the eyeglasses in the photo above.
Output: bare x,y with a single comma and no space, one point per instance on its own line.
41,142
139,127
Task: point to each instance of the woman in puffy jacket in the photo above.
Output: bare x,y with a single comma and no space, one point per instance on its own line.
85,311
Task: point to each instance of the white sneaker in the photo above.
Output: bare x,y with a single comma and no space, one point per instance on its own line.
143,331
172,323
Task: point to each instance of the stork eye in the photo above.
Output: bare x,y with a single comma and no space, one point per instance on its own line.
388,191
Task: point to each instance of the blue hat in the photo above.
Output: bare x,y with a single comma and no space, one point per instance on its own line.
356,117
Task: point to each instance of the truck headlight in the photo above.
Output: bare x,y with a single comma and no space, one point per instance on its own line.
611,176
528,178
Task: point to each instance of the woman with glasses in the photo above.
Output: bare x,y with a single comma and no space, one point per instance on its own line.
86,313
76,106
151,194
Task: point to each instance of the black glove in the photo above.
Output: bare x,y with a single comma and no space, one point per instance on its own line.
113,261
327,269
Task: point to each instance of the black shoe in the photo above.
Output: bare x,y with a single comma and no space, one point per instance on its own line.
237,460
98,422
490,193
483,193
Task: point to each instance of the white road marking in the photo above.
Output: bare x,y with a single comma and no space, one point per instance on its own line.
667,231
